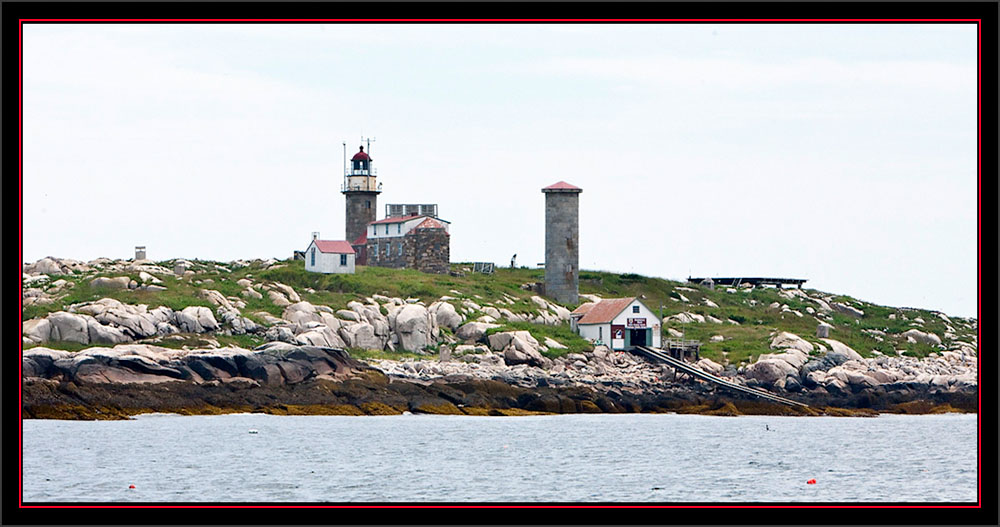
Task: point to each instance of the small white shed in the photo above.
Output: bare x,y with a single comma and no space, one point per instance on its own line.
330,256
619,323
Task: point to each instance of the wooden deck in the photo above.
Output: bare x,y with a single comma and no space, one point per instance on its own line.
755,280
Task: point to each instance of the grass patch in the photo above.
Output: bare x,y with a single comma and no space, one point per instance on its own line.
361,354
561,333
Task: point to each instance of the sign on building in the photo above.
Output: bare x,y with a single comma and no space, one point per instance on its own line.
635,323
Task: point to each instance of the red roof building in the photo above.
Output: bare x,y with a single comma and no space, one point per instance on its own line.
330,256
619,323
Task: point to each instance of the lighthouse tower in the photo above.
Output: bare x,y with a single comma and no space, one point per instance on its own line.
361,191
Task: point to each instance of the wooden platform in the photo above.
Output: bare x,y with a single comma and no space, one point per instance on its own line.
682,349
755,280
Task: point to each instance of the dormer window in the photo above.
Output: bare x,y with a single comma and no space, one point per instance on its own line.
635,309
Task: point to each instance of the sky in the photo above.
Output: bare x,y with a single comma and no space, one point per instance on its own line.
843,154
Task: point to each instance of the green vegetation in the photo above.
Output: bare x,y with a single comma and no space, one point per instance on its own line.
573,342
744,341
359,353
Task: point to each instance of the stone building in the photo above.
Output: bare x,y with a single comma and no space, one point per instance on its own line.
409,242
562,242
410,237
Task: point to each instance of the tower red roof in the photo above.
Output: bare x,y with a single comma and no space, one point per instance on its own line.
361,156
562,185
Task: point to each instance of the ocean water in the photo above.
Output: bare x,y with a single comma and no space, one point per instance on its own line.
559,458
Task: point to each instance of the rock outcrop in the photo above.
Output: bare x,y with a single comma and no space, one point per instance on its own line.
141,363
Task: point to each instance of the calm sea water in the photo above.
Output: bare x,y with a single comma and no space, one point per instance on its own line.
419,458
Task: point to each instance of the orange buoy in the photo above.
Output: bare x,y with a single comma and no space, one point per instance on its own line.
811,482
131,486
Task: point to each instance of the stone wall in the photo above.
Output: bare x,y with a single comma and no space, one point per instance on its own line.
427,250
361,207
431,250
562,246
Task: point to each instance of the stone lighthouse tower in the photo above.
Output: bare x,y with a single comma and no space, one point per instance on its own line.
562,242
361,191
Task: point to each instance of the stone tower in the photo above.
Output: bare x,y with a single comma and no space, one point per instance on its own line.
361,191
562,242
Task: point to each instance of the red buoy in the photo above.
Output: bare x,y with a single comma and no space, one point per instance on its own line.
131,486
811,482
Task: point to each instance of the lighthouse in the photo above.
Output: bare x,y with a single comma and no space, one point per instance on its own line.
361,192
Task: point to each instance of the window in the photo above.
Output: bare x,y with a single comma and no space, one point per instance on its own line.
375,252
343,260
399,228
387,229
635,309
401,249
312,257
368,204
600,332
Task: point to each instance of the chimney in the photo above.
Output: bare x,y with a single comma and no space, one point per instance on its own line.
316,235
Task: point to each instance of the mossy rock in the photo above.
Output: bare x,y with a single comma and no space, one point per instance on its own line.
443,408
693,409
946,409
515,412
728,409
548,403
849,412
912,407
588,407
377,408
475,410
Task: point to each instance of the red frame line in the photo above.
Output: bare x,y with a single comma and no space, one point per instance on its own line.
979,303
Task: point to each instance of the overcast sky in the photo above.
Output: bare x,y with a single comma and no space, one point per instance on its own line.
844,154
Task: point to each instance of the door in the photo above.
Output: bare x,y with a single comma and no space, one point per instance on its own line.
636,337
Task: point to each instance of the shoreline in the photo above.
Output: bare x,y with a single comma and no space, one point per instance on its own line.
375,394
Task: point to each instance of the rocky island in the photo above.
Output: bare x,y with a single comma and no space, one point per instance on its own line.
108,339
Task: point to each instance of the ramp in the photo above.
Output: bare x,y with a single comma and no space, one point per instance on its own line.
659,355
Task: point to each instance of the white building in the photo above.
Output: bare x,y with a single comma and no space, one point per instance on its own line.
329,256
619,323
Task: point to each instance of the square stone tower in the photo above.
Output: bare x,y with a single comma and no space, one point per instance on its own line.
562,242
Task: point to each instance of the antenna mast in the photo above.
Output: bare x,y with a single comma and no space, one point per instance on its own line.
345,164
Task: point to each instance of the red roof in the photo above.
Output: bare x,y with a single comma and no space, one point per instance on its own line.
430,223
334,246
605,311
562,185
582,310
394,219
401,219
363,239
361,156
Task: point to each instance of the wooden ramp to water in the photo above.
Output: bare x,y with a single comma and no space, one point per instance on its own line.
659,355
